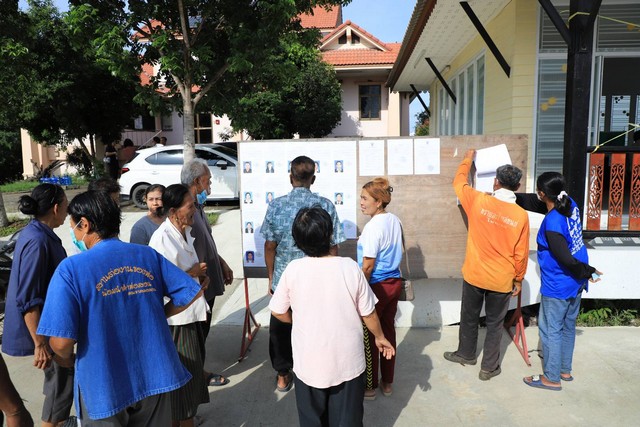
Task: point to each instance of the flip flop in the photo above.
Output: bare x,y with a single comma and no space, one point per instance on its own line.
569,378
217,380
536,381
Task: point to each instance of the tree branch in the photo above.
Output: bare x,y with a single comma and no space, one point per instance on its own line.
210,84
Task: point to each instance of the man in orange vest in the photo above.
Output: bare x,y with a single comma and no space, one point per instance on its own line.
494,265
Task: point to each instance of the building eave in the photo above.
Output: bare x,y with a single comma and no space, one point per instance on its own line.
438,29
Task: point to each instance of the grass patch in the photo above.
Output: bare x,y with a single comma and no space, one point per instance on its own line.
212,217
25,185
18,186
14,225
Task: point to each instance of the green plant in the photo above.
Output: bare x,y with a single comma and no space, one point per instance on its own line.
81,161
212,217
595,317
14,225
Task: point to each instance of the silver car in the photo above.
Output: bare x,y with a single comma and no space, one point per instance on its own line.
162,165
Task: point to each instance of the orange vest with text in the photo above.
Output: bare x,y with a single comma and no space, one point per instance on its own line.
497,240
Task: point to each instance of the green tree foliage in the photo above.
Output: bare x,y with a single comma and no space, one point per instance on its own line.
422,124
201,49
60,92
298,94
11,51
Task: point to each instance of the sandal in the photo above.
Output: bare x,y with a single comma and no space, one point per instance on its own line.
289,382
569,378
386,389
217,380
536,381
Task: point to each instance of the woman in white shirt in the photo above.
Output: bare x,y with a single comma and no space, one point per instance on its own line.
173,240
379,255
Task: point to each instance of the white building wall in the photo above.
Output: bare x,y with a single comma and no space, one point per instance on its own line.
350,123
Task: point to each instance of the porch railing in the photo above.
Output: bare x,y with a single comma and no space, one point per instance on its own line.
613,192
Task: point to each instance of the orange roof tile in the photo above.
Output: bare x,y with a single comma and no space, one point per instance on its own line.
344,57
356,27
321,18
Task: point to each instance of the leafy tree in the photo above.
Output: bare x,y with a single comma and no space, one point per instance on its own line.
195,44
422,124
12,25
298,93
60,92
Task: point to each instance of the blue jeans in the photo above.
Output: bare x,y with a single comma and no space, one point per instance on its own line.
557,324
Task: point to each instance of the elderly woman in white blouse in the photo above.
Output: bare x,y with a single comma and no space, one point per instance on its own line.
173,240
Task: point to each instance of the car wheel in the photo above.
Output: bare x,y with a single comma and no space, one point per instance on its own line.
138,196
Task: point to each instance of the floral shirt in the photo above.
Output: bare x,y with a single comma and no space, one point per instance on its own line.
279,220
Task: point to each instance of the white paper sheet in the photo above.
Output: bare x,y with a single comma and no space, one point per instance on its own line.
400,156
487,161
427,156
371,157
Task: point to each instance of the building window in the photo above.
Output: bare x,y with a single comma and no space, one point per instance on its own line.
355,39
203,129
146,122
466,115
616,44
167,123
342,39
370,101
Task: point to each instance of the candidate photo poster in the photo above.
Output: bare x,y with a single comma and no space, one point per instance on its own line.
265,176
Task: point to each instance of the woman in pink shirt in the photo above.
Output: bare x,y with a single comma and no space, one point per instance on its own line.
326,298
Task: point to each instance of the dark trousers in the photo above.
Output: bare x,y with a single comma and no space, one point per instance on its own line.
387,292
340,405
496,306
280,346
207,327
152,411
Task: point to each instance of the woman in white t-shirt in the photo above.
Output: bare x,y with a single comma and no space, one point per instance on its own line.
379,256
173,240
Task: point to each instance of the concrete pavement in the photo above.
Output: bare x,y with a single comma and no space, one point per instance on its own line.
428,390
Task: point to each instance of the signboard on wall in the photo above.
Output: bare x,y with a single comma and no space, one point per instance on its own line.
264,176
419,169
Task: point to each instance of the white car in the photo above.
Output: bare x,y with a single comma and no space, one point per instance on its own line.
162,165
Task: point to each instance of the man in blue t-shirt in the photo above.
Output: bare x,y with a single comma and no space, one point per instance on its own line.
109,301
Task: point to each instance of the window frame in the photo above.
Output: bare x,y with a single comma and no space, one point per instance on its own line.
368,95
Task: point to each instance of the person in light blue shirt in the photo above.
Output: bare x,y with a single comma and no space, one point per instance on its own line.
280,249
379,252
109,301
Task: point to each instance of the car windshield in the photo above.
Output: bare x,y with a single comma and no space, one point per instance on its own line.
226,150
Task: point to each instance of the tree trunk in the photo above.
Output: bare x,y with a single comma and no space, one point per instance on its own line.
189,133
4,221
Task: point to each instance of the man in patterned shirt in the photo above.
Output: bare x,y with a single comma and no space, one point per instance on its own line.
280,249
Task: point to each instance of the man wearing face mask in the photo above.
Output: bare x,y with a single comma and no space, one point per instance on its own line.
197,177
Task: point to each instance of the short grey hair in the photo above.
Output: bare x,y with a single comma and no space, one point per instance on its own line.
193,170
509,176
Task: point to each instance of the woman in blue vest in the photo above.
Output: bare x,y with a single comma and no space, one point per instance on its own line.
565,273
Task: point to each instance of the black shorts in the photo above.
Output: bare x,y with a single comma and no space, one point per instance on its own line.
58,393
151,411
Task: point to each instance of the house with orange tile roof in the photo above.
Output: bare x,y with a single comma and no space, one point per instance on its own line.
362,63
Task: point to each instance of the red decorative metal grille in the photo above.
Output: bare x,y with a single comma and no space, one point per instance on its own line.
634,202
616,191
596,177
